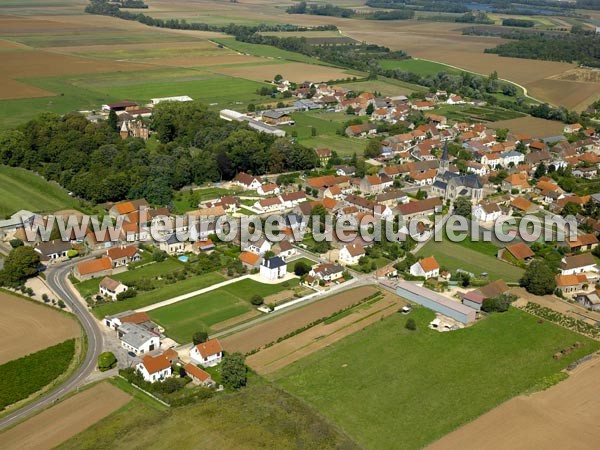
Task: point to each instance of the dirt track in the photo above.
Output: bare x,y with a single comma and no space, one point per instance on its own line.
63,421
271,330
566,416
28,328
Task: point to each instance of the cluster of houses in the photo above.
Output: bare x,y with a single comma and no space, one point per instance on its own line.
141,337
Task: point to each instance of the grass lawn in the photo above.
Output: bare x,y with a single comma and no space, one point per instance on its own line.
90,287
418,66
389,387
158,295
454,256
291,264
181,320
22,189
344,146
259,416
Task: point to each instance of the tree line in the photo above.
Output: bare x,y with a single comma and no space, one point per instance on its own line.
195,146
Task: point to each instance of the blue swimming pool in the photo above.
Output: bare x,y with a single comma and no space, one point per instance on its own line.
184,258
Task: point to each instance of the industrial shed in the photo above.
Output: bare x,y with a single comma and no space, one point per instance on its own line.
435,302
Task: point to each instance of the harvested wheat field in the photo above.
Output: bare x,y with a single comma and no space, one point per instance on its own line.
63,421
16,25
322,335
296,72
566,416
172,47
11,89
28,327
539,128
36,63
271,330
576,95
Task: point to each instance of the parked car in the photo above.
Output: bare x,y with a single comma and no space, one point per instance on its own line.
406,309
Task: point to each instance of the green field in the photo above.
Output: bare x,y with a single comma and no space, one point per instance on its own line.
141,86
265,51
182,319
158,295
326,124
22,189
386,86
472,113
91,91
22,377
389,387
453,256
259,416
418,66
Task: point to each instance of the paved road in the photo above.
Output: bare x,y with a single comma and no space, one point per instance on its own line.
56,277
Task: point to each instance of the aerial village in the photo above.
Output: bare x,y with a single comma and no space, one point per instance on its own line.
431,170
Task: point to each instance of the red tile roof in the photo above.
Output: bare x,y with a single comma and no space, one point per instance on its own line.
428,264
155,364
196,372
209,348
94,266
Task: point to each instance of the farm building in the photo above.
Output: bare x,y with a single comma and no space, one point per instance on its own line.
137,339
435,302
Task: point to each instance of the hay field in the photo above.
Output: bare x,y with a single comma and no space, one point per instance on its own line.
29,328
539,128
65,420
564,416
297,72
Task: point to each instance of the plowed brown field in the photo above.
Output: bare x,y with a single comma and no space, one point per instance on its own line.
28,328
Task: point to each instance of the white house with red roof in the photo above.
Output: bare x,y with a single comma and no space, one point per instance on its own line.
350,254
426,267
155,368
207,354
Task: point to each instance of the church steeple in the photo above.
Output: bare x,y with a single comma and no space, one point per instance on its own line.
445,161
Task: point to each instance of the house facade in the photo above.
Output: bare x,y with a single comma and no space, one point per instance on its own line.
207,354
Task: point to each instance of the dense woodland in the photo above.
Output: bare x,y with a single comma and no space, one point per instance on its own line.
195,146
525,7
583,48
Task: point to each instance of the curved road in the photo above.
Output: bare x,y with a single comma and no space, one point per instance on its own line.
57,279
